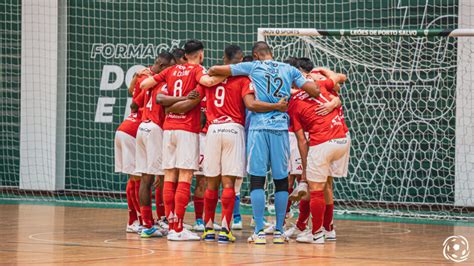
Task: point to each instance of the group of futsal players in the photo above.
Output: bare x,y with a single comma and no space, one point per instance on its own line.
257,118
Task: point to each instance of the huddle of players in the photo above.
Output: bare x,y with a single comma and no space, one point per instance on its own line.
170,111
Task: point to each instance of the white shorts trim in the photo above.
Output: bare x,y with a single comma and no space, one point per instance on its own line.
124,152
322,156
180,150
202,145
225,150
149,149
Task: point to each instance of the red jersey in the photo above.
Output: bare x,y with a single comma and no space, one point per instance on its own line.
181,80
320,128
153,111
130,125
224,101
137,92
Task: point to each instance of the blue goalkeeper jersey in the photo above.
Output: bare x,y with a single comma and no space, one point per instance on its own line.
273,80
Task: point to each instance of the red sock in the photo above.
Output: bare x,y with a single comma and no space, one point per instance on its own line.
168,200
227,202
288,206
130,192
304,215
317,205
181,200
198,207
210,202
147,216
136,200
328,217
160,207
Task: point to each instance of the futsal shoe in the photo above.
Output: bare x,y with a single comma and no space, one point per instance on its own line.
133,228
199,225
209,235
187,226
150,232
279,237
330,235
269,230
237,223
217,227
140,229
317,238
162,223
184,235
301,191
225,237
258,239
294,232
170,234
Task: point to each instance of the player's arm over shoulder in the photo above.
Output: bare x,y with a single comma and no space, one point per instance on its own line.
308,85
191,101
205,79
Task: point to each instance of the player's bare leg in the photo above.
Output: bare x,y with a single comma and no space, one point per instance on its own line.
133,224
317,205
211,197
227,201
291,184
169,191
329,211
181,200
198,199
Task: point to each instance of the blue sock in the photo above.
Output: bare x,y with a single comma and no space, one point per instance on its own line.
281,201
237,206
257,197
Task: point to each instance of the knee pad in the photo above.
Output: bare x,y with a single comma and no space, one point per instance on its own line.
257,182
281,184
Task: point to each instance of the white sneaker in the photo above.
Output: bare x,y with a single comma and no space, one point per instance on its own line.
187,226
140,229
330,235
237,225
199,226
301,191
162,224
184,235
258,239
133,228
269,230
170,234
265,223
293,232
317,238
163,231
217,227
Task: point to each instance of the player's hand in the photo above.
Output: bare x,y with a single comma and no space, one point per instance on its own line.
156,183
282,105
145,71
193,95
325,108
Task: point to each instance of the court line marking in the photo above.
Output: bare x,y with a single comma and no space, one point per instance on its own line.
86,245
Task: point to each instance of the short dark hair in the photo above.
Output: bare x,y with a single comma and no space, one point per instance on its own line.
261,47
292,61
192,46
178,53
231,51
247,58
167,56
305,64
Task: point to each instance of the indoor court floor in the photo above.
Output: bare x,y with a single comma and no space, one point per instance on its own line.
44,234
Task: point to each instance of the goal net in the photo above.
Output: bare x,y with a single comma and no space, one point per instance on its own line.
400,105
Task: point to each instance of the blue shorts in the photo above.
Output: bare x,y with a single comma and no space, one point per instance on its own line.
268,149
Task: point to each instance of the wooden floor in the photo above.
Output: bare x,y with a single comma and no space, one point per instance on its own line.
39,234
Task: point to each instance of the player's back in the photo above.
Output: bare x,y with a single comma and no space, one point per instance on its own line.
320,128
152,110
225,103
181,79
273,80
